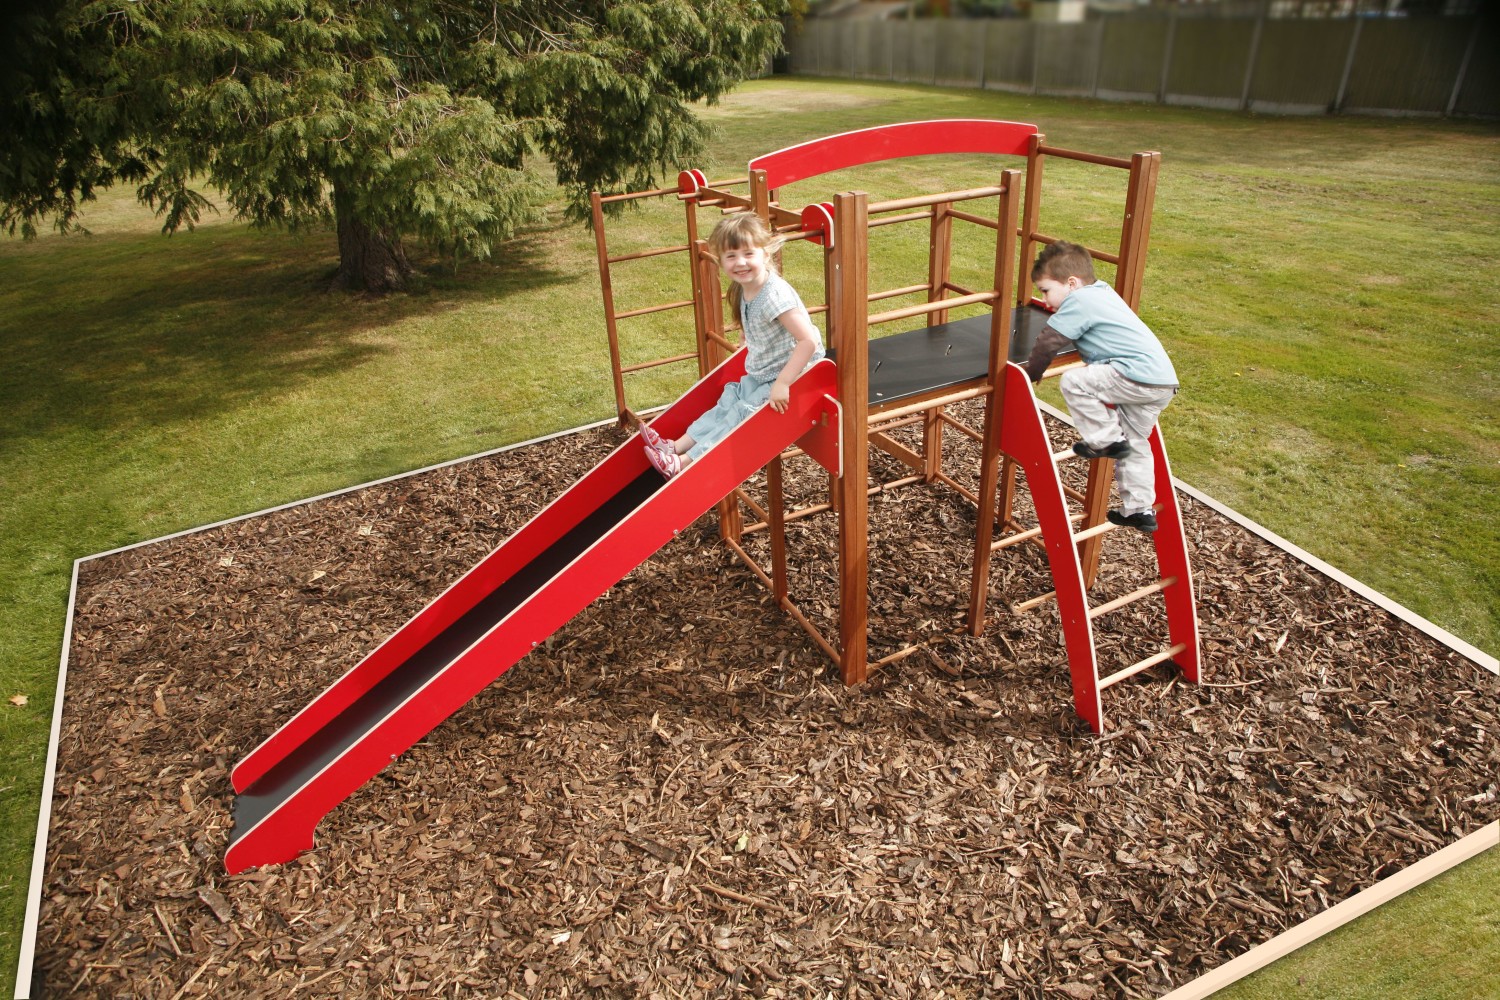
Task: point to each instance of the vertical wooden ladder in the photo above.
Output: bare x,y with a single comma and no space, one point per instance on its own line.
1023,438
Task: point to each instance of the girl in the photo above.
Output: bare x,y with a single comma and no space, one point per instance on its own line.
782,342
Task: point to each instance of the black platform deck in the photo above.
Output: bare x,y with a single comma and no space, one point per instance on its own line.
917,362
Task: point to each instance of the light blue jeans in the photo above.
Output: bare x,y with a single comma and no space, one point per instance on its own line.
736,403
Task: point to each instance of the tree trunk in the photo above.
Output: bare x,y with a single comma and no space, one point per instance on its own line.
370,259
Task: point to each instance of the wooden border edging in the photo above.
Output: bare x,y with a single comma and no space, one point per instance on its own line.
1257,957
1339,914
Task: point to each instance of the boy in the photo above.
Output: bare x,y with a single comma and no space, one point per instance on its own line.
1116,398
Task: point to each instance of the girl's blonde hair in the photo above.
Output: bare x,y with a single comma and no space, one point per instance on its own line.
738,232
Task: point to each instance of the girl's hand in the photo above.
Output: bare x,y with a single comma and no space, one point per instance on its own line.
781,394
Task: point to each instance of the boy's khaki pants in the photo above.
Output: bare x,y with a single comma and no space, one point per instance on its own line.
1106,406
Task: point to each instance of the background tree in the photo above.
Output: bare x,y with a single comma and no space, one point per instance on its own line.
425,118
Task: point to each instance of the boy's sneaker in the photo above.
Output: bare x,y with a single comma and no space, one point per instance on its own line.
1145,520
1119,449
668,463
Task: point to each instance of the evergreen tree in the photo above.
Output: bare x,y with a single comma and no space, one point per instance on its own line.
414,118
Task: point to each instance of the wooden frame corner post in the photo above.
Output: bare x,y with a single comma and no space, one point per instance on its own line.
990,455
850,290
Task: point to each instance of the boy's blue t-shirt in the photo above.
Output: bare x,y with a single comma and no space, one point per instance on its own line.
1107,331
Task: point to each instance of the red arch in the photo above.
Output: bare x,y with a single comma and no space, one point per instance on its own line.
890,142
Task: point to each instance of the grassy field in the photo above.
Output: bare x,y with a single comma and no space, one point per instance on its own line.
1325,288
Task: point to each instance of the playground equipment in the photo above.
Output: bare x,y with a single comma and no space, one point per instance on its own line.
622,511
913,377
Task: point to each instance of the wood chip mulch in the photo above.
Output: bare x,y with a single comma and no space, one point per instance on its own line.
677,798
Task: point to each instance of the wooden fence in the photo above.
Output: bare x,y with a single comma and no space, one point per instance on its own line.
1411,66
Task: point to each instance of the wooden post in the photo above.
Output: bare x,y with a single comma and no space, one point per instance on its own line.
596,207
776,515
850,291
939,258
1029,216
1135,233
1095,503
989,456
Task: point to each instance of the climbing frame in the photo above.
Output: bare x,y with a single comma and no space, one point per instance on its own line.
913,378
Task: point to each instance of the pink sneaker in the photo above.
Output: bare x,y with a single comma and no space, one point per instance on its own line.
668,462
656,441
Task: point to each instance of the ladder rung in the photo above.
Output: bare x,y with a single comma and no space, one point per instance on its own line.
1025,536
1132,597
1025,606
1145,664
1098,529
1058,456
1073,494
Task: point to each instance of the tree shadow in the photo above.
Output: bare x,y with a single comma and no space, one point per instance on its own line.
129,331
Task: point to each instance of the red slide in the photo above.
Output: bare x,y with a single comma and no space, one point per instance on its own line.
582,544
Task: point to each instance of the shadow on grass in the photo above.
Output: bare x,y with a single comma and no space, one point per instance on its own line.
135,331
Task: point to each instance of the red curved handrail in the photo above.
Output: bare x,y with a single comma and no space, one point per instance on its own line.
891,142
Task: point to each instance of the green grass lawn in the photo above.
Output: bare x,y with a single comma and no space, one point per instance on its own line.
1325,287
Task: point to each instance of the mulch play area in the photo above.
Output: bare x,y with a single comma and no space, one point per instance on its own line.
676,797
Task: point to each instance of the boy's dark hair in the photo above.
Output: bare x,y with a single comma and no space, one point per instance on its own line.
1061,261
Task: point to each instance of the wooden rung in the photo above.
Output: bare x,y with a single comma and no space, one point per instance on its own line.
1058,456
653,309
1026,536
1145,664
627,369
655,252
924,308
1132,597
958,487
1098,529
1073,494
1040,599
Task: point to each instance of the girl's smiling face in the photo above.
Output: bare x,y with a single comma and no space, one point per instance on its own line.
745,266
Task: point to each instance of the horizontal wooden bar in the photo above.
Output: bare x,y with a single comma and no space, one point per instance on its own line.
641,366
1132,597
976,219
895,484
1058,371
1007,541
885,428
1058,456
899,654
1145,664
653,309
1073,154
755,508
892,220
1035,602
633,195
960,289
655,252
923,308
722,342
790,516
928,404
1099,529
962,490
960,426
902,204
1108,258
894,292
897,450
